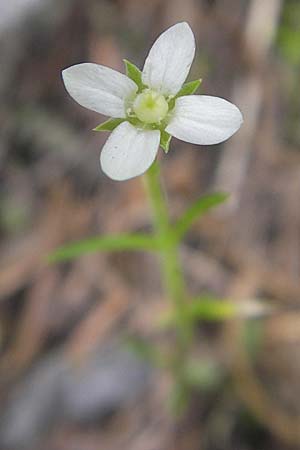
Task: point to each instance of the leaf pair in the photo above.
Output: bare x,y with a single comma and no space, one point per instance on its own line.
139,241
109,243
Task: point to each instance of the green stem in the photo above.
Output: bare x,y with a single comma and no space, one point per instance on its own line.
170,266
157,199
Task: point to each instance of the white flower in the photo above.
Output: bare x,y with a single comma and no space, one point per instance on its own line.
150,105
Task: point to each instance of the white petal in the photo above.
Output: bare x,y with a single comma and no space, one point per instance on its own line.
99,88
129,151
204,120
170,59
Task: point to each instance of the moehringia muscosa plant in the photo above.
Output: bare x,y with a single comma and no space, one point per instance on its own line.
146,108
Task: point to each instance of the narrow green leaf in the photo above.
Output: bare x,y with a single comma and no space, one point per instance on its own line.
205,308
105,244
133,72
108,125
210,308
195,211
189,88
165,139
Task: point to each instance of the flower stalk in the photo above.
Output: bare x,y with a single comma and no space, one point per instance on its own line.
171,270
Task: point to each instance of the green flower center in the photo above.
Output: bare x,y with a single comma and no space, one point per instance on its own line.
150,107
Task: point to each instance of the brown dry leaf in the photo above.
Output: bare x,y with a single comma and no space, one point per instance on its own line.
33,327
98,323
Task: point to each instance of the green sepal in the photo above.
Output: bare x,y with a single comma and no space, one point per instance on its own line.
108,125
189,88
165,139
136,122
134,73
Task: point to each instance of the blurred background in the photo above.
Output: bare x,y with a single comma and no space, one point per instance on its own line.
67,382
